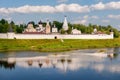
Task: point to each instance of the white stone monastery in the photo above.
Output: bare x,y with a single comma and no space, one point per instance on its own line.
49,32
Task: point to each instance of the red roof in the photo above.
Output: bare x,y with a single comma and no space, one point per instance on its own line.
33,32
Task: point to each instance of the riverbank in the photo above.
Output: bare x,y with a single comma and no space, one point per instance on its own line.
52,45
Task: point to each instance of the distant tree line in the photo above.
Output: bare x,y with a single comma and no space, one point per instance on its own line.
5,25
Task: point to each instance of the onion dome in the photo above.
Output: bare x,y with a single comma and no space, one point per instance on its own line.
40,22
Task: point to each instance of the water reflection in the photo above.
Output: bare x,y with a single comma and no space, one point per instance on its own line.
72,61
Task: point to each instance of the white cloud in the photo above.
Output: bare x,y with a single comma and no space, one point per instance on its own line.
114,16
46,9
113,5
77,8
90,17
107,6
105,21
61,1
86,17
80,21
99,6
94,17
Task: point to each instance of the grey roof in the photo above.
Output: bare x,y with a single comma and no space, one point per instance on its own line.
40,22
10,29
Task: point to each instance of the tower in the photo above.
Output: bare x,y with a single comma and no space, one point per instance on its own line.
40,27
65,24
40,24
48,30
10,33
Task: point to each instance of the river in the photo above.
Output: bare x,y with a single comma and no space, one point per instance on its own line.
87,64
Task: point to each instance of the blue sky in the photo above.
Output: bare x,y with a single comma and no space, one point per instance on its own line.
101,12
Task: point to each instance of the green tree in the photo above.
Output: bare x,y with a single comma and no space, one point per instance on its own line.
18,29
62,31
58,25
3,21
116,33
69,30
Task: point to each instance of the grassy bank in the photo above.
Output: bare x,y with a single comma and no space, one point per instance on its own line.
55,45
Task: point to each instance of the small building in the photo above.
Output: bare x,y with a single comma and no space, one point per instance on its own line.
95,31
75,31
54,29
40,27
47,28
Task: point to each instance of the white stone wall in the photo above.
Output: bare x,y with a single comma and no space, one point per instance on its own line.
3,36
52,36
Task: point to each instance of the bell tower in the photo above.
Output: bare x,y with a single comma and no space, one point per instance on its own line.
48,28
65,24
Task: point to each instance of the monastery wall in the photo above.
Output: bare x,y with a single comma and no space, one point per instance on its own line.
52,36
3,36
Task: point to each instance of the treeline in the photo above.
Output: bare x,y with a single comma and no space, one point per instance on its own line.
5,26
89,29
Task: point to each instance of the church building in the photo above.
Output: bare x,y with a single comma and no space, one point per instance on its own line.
40,27
65,24
30,28
54,29
48,28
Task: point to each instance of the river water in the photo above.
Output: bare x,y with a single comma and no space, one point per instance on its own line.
88,64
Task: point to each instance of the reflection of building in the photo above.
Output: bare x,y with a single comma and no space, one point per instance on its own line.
7,65
64,62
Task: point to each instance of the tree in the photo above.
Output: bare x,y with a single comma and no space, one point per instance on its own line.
3,21
69,30
116,33
62,31
18,29
58,25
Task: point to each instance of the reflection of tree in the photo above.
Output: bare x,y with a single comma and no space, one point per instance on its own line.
69,61
62,61
116,50
40,65
30,62
7,65
114,54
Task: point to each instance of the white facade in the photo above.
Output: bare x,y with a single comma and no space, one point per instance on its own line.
40,27
30,28
48,28
65,24
54,29
52,36
75,31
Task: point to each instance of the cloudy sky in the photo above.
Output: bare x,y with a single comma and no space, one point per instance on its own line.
101,12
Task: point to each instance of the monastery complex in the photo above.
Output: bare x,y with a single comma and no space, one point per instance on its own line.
51,32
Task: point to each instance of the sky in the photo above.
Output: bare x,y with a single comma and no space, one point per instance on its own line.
99,12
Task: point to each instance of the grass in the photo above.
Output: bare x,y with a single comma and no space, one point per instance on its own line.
52,45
